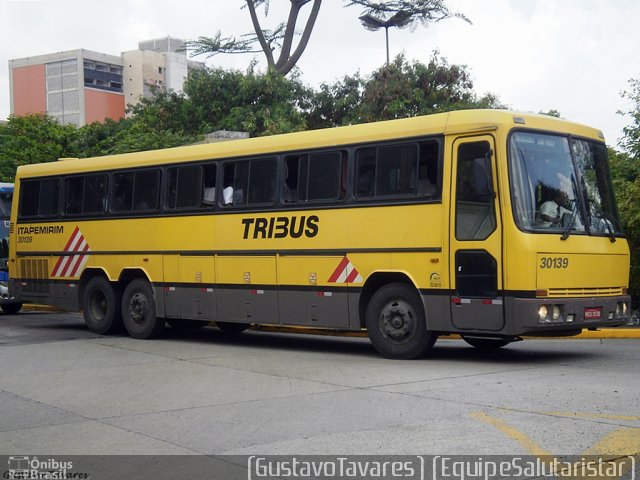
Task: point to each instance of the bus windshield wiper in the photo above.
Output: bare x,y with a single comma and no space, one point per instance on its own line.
567,229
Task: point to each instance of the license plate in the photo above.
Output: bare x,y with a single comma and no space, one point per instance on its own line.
593,313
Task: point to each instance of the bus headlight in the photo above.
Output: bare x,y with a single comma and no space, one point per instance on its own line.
543,312
621,309
551,313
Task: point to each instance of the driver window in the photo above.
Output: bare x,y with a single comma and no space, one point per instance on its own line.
475,211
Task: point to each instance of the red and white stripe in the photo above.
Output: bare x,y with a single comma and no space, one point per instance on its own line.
70,265
345,273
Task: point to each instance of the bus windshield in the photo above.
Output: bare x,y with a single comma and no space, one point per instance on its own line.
561,185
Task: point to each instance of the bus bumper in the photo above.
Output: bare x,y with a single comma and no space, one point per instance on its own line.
567,316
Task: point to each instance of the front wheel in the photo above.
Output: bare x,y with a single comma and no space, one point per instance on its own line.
396,322
139,310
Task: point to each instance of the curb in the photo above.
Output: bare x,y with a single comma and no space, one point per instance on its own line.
620,332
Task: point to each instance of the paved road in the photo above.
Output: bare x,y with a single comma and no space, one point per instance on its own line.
64,390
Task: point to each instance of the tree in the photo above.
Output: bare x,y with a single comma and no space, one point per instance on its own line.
402,14
218,99
401,89
631,139
625,172
35,138
334,105
412,12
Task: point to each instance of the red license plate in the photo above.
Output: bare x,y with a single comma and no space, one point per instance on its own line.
593,313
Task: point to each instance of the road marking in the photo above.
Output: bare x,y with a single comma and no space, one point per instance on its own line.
512,432
619,444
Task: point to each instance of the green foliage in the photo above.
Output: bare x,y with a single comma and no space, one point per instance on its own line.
625,172
631,139
398,90
31,139
258,103
335,105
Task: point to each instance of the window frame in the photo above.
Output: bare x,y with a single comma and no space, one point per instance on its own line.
132,211
416,197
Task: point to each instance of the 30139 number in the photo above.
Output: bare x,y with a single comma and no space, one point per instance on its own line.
554,262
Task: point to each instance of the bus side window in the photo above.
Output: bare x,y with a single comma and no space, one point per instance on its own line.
262,181
39,198
75,190
325,176
294,176
184,185
122,192
235,182
428,175
209,185
366,172
86,194
95,194
146,190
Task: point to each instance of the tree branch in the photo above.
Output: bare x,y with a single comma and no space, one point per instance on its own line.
266,48
290,63
289,33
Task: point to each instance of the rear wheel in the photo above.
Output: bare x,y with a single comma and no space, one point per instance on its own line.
139,310
101,306
396,322
486,343
232,327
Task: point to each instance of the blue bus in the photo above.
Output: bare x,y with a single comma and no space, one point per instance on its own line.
8,304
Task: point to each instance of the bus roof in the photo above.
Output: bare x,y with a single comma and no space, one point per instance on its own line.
438,124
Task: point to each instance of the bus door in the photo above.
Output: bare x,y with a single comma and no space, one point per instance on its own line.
475,237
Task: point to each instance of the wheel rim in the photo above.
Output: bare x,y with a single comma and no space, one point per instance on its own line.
398,321
138,308
98,305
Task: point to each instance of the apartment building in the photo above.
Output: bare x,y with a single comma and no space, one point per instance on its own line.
82,86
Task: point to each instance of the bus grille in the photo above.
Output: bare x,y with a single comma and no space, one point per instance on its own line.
35,274
585,292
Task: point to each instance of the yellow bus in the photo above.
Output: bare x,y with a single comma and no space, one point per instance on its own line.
490,224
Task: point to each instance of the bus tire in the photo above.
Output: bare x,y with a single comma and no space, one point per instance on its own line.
232,327
139,310
396,323
486,343
11,308
101,306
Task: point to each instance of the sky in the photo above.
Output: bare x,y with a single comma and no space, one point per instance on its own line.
573,56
